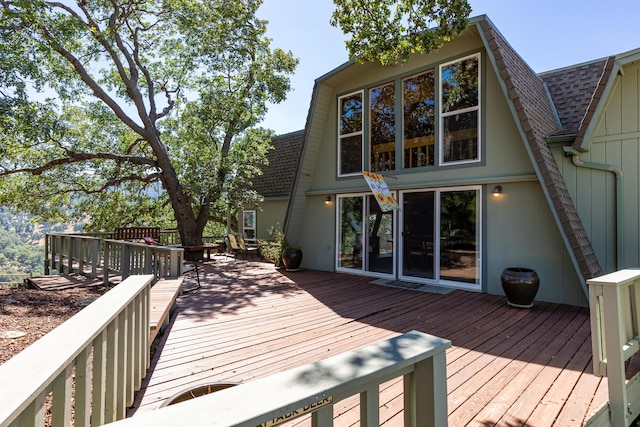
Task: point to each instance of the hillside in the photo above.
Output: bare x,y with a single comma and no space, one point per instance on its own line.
21,245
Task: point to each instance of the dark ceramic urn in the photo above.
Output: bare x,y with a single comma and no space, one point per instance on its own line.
520,285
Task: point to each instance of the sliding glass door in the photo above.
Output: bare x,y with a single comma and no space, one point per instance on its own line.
365,235
441,236
438,242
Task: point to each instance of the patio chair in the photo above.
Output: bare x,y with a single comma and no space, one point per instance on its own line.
234,246
246,248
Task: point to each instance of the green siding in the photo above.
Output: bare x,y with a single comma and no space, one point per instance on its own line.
517,229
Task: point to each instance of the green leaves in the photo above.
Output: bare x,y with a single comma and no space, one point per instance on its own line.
151,110
389,31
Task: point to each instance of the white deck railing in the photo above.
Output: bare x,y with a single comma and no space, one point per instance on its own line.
315,388
128,258
91,256
100,355
614,301
72,253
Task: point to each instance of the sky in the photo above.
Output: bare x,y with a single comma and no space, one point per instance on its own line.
548,34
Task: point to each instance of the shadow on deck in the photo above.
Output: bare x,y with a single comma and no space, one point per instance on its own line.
507,366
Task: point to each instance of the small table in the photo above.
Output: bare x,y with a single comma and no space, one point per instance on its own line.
207,247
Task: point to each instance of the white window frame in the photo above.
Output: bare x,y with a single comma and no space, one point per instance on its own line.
348,135
443,115
255,221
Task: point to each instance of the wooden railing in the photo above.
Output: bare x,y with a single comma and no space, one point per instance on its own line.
314,389
127,258
91,256
614,301
99,356
69,253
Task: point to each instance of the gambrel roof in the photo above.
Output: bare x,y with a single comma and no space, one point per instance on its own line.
559,103
576,91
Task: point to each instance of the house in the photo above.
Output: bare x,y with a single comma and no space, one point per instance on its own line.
491,164
275,186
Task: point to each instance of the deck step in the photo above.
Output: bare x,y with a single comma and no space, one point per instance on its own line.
62,281
163,301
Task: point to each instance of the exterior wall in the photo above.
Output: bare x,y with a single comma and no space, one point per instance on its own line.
517,229
521,232
271,213
615,144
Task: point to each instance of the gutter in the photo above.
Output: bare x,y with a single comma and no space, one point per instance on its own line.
575,157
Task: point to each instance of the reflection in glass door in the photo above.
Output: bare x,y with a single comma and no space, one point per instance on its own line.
459,236
440,236
380,238
418,234
365,235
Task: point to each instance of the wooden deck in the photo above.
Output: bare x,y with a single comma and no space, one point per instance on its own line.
507,366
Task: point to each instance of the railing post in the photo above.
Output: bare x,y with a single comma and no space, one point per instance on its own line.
175,260
613,331
424,403
614,308
106,264
47,242
125,261
95,256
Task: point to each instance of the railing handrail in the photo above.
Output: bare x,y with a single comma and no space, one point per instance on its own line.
419,357
29,375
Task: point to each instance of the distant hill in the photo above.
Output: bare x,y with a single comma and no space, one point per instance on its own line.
22,245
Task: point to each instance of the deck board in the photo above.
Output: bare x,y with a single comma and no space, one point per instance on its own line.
507,366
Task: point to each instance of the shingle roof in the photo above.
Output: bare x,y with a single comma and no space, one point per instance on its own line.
538,119
576,91
278,176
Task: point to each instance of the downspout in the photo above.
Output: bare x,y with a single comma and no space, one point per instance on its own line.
569,151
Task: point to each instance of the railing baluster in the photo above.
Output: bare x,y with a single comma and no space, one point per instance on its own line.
370,406
82,412
121,371
323,417
61,402
99,379
112,372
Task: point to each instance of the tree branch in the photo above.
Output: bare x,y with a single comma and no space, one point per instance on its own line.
74,157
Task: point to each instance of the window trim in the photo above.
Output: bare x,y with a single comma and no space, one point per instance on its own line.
395,125
442,115
430,69
348,135
255,223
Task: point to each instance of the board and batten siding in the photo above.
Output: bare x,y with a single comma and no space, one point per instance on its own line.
615,143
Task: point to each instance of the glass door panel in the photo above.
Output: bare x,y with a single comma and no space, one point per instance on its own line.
418,234
350,239
380,238
459,236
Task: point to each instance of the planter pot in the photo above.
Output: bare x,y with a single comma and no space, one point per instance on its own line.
196,391
520,285
292,258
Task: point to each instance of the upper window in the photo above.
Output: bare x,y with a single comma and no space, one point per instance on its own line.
418,104
350,157
382,101
459,110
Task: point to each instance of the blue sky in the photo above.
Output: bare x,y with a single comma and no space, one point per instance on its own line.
548,34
